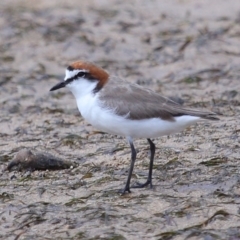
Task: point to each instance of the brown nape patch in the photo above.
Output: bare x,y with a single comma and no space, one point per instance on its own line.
96,72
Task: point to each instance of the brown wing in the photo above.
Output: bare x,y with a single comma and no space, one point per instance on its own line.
136,102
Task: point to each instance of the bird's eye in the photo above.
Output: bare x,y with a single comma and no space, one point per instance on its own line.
81,74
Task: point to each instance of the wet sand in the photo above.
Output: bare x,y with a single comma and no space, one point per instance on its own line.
185,49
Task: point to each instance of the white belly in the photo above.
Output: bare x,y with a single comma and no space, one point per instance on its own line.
107,121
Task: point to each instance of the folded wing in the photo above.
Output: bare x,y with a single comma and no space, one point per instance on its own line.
135,102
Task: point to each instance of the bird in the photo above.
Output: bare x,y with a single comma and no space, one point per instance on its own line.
114,105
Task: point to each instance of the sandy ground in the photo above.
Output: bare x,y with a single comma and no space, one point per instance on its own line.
183,48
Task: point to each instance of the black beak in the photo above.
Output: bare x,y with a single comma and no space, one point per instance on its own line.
59,85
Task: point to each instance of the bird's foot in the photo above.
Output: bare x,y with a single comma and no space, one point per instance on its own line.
142,185
126,189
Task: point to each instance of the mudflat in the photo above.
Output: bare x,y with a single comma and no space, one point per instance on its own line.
189,50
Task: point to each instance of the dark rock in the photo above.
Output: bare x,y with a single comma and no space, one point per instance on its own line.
27,160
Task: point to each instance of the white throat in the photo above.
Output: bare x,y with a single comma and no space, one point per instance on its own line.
82,87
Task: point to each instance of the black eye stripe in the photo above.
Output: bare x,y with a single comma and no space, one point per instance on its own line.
80,74
85,75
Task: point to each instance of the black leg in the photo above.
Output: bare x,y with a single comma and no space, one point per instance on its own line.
149,179
133,158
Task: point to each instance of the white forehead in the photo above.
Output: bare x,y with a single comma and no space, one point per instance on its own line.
70,74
